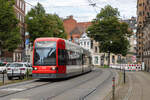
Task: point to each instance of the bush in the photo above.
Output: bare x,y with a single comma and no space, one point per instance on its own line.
106,66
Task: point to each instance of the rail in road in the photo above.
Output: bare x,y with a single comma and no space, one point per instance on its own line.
83,87
93,90
19,87
12,89
82,98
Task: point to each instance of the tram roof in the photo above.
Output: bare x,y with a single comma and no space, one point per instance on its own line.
57,39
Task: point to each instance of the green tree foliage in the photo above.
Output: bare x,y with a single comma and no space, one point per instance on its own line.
9,30
110,32
40,24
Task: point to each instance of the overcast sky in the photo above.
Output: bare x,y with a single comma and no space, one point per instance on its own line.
81,9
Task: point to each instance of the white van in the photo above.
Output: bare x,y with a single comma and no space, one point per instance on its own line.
18,69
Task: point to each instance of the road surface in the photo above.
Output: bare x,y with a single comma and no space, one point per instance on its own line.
91,86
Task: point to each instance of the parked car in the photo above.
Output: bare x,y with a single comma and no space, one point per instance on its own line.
2,67
18,69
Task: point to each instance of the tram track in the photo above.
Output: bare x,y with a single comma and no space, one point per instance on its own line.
67,89
93,90
4,91
30,84
82,87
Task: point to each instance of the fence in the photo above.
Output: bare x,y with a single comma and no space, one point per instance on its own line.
128,67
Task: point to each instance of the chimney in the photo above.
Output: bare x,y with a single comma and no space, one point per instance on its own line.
71,17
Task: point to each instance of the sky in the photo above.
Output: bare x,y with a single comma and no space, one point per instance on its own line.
82,9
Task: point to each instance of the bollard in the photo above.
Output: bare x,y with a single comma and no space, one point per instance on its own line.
12,73
3,77
113,88
124,76
21,74
27,74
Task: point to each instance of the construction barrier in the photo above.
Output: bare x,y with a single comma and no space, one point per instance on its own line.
129,67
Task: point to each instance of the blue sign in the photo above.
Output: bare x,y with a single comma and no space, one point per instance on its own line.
27,42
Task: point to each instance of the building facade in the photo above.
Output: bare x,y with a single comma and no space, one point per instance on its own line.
143,15
76,32
17,55
131,56
19,8
91,45
74,29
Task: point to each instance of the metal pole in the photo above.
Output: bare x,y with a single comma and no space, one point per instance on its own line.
21,74
124,76
3,77
27,73
12,73
113,88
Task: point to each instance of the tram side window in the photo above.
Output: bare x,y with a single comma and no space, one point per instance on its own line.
61,57
70,59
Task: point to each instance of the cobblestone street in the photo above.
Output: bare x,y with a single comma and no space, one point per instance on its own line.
136,88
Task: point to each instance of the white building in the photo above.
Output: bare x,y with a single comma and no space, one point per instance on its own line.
92,46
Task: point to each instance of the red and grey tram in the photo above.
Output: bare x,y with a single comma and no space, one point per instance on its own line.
59,58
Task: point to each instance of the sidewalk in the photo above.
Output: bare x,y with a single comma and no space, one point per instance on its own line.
137,87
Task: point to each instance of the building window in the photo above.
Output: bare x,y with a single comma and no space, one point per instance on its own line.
84,43
96,60
18,3
80,43
23,5
18,15
87,43
147,1
140,13
20,18
148,14
95,49
91,44
140,4
15,2
113,59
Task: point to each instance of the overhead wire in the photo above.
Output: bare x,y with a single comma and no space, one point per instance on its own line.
91,4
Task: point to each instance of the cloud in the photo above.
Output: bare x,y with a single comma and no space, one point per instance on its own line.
81,9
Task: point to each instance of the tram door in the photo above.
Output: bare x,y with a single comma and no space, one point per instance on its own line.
83,61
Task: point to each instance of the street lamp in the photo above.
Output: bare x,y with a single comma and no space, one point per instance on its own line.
109,52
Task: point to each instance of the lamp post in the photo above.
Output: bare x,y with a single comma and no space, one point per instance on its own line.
109,53
27,42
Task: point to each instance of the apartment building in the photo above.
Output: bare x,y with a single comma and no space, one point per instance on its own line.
143,42
17,55
131,56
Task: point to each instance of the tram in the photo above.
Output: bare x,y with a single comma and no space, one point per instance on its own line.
59,58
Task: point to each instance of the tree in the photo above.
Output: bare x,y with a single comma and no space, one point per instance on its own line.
111,33
40,24
9,30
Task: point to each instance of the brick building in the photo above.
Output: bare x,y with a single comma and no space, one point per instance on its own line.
143,35
17,55
20,14
74,29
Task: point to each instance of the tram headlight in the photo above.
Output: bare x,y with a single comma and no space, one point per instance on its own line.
54,68
34,68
